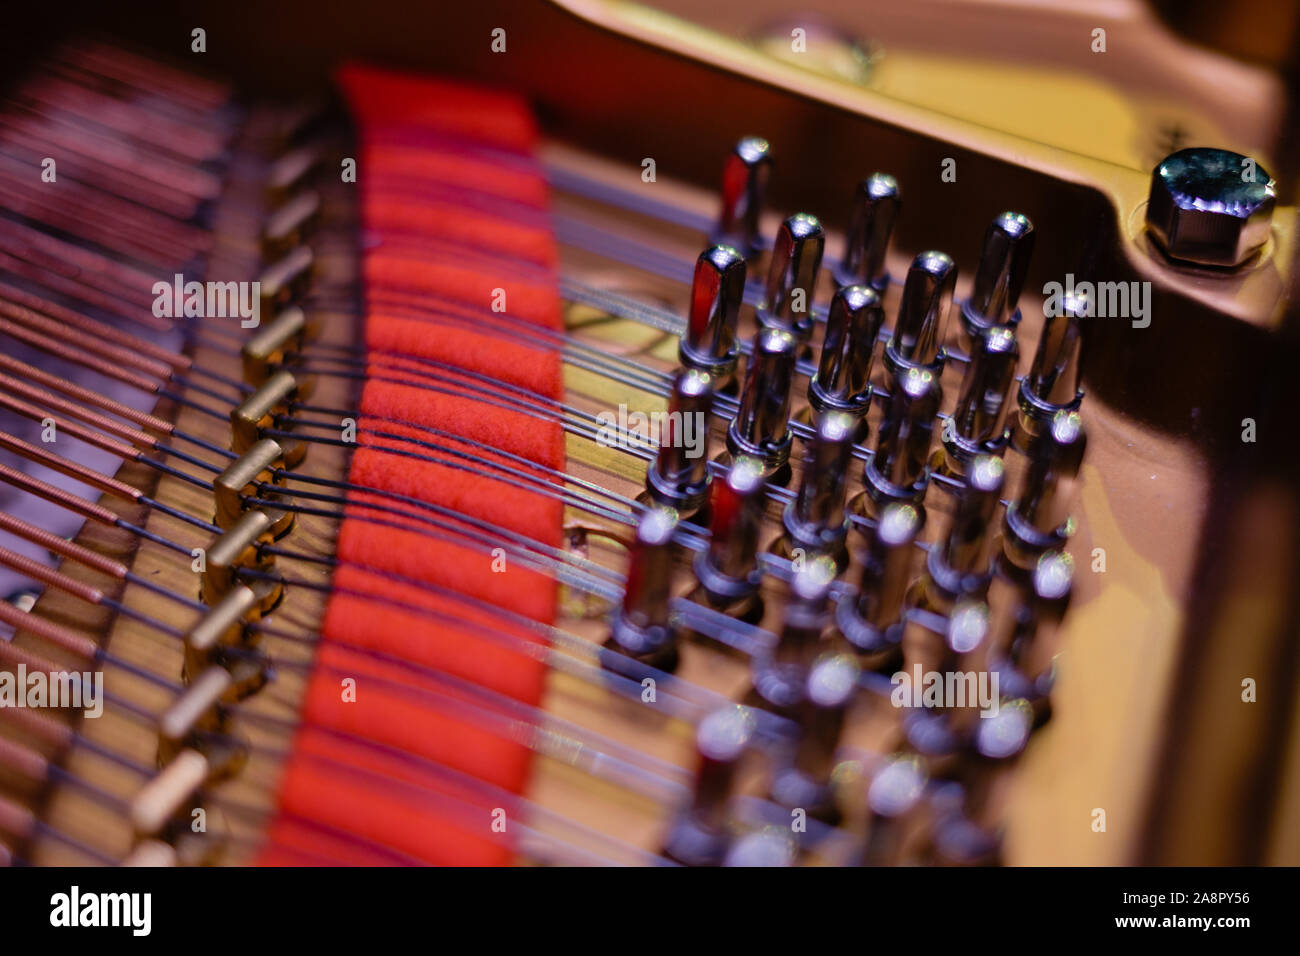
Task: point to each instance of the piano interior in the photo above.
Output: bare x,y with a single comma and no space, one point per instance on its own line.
596,433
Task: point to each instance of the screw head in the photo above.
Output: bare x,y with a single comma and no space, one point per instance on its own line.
1210,206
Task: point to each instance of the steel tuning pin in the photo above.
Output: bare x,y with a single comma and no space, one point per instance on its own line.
922,315
899,467
1039,518
876,204
961,563
744,181
792,276
728,569
806,780
1032,652
979,422
780,675
1055,380
679,475
709,342
843,378
644,628
761,428
965,650
872,619
896,790
1024,644
1000,276
816,521
700,834
768,847
959,835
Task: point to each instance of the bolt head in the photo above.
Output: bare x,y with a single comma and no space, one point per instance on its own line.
1210,206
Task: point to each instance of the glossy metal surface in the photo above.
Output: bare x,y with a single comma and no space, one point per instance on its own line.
922,313
877,202
679,475
869,620
642,628
843,376
717,290
761,427
816,520
1000,276
792,276
899,469
1210,206
979,420
744,181
728,568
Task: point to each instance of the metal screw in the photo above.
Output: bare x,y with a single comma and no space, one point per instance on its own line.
1210,206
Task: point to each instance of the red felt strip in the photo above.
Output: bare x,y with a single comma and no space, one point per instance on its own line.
416,768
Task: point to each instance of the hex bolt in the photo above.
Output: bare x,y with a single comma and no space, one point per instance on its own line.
1210,207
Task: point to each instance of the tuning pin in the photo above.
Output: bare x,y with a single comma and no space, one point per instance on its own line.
961,564
768,847
1000,276
968,631
872,619
876,204
644,629
679,476
761,427
792,276
1025,625
1055,380
781,674
958,841
979,422
717,290
895,791
728,570
959,834
1039,517
922,315
744,180
699,836
899,468
966,651
1032,650
815,520
806,781
1003,735
843,378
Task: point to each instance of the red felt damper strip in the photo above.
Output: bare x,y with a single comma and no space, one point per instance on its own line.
395,761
